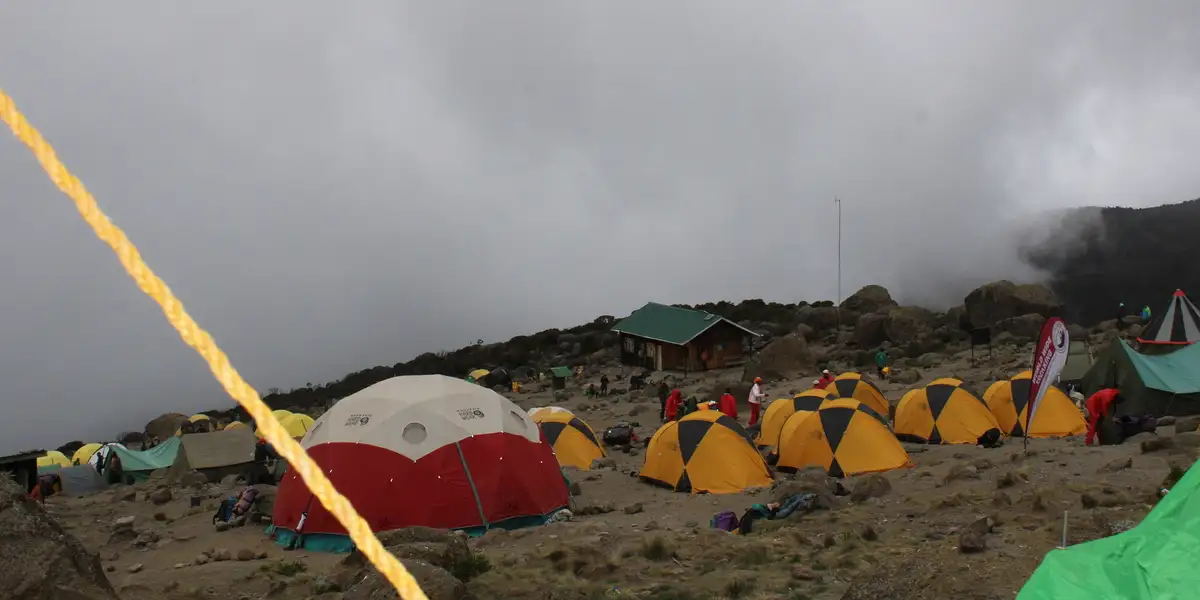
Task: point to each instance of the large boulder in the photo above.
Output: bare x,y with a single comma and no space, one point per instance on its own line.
432,557
870,330
822,318
165,426
869,299
41,561
1025,328
784,358
1001,300
907,324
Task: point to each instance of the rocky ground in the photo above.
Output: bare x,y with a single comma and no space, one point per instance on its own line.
965,522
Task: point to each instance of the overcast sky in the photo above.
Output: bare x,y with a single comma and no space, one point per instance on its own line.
330,186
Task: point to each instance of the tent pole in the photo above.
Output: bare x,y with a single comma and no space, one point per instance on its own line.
471,480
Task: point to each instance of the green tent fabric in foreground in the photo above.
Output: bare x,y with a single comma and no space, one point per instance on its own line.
143,462
1154,561
1167,384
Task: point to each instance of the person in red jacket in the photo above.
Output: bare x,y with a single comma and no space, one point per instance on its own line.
673,402
728,404
825,380
1098,407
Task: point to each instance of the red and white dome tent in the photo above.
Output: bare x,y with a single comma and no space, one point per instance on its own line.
423,450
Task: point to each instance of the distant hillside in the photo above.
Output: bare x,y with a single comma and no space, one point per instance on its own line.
1136,256
552,347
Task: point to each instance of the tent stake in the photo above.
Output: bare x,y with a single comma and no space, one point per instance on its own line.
1064,535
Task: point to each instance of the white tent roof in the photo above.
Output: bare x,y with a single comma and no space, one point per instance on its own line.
415,415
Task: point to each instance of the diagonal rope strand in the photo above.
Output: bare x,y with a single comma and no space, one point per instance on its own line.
218,362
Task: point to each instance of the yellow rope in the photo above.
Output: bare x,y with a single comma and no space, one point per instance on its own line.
202,342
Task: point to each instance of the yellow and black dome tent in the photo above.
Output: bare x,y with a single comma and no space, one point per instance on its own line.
854,385
705,451
573,441
945,412
780,410
84,452
1056,416
844,436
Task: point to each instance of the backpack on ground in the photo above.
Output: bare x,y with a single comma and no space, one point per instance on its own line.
620,434
725,520
225,510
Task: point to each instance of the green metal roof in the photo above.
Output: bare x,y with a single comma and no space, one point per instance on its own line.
670,324
560,371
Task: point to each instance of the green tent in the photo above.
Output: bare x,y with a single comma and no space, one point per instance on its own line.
139,464
1153,561
1166,384
1079,360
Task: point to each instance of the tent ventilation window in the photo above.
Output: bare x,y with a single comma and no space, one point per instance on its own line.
414,433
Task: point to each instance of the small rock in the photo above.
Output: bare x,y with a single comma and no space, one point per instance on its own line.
145,538
111,568
135,568
160,496
221,555
202,559
961,471
246,554
803,573
972,538
1088,501
1167,421
1118,464
124,494
868,533
123,523
604,463
651,526
159,516
1189,423
575,489
1156,444
871,486
634,509
179,565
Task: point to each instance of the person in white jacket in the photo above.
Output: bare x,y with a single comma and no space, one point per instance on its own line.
755,399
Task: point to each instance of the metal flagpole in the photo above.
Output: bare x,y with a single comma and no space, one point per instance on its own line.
838,202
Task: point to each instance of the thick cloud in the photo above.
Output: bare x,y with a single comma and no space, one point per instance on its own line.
330,186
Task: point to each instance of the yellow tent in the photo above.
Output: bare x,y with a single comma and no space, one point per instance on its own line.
477,374
705,451
854,385
297,424
199,424
84,452
945,412
573,441
280,415
844,436
53,458
235,425
1056,416
780,410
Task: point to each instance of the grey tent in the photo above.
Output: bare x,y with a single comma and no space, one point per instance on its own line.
215,455
1079,360
81,480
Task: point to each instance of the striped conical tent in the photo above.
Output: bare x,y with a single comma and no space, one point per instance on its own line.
1179,325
